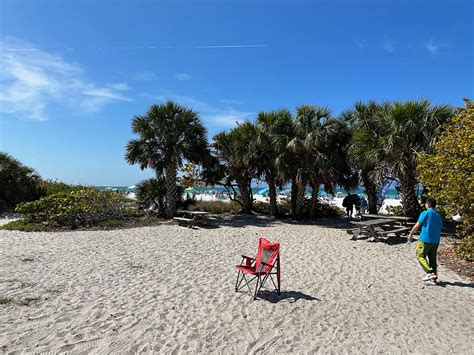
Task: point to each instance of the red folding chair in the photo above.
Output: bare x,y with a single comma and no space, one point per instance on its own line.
266,264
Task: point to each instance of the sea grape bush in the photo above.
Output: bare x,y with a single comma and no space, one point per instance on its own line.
465,250
448,173
51,187
75,208
216,207
18,183
395,210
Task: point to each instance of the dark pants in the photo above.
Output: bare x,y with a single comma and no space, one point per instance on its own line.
349,211
426,254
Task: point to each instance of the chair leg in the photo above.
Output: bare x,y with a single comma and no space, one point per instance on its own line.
277,289
279,275
247,282
237,284
256,288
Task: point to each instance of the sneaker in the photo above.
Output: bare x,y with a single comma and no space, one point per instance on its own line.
434,281
430,277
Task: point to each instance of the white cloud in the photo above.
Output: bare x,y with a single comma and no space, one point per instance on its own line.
231,102
219,46
361,43
119,86
233,46
188,101
229,117
431,47
145,75
389,46
182,76
33,80
213,116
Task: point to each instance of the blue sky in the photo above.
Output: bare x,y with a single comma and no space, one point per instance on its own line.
73,73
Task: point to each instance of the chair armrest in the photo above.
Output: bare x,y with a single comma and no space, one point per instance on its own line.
248,260
247,257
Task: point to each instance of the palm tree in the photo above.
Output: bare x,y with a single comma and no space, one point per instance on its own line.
168,134
412,128
235,151
367,124
329,147
308,123
273,130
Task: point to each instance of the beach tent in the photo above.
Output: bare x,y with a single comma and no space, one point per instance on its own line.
266,264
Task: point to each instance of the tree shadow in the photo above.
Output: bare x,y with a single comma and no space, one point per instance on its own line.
285,296
240,220
394,240
456,284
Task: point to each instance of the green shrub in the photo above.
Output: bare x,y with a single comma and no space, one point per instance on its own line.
261,207
216,207
448,172
322,209
395,210
51,187
151,195
113,224
284,206
465,250
75,208
18,183
326,210
24,226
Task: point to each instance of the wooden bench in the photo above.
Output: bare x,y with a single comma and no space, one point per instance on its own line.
401,219
191,218
397,231
188,222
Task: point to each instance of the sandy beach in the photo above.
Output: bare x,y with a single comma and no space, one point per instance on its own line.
169,288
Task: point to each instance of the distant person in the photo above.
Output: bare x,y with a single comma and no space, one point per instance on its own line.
363,205
356,200
431,223
349,202
348,205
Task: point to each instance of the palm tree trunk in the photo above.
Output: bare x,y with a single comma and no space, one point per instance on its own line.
272,194
411,206
171,189
294,195
314,198
245,195
371,190
300,198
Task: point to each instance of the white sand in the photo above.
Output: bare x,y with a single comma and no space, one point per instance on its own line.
170,288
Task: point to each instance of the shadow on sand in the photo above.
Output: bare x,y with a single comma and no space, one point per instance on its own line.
394,240
456,284
239,221
285,296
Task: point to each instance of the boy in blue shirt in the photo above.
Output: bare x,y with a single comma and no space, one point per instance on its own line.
427,247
